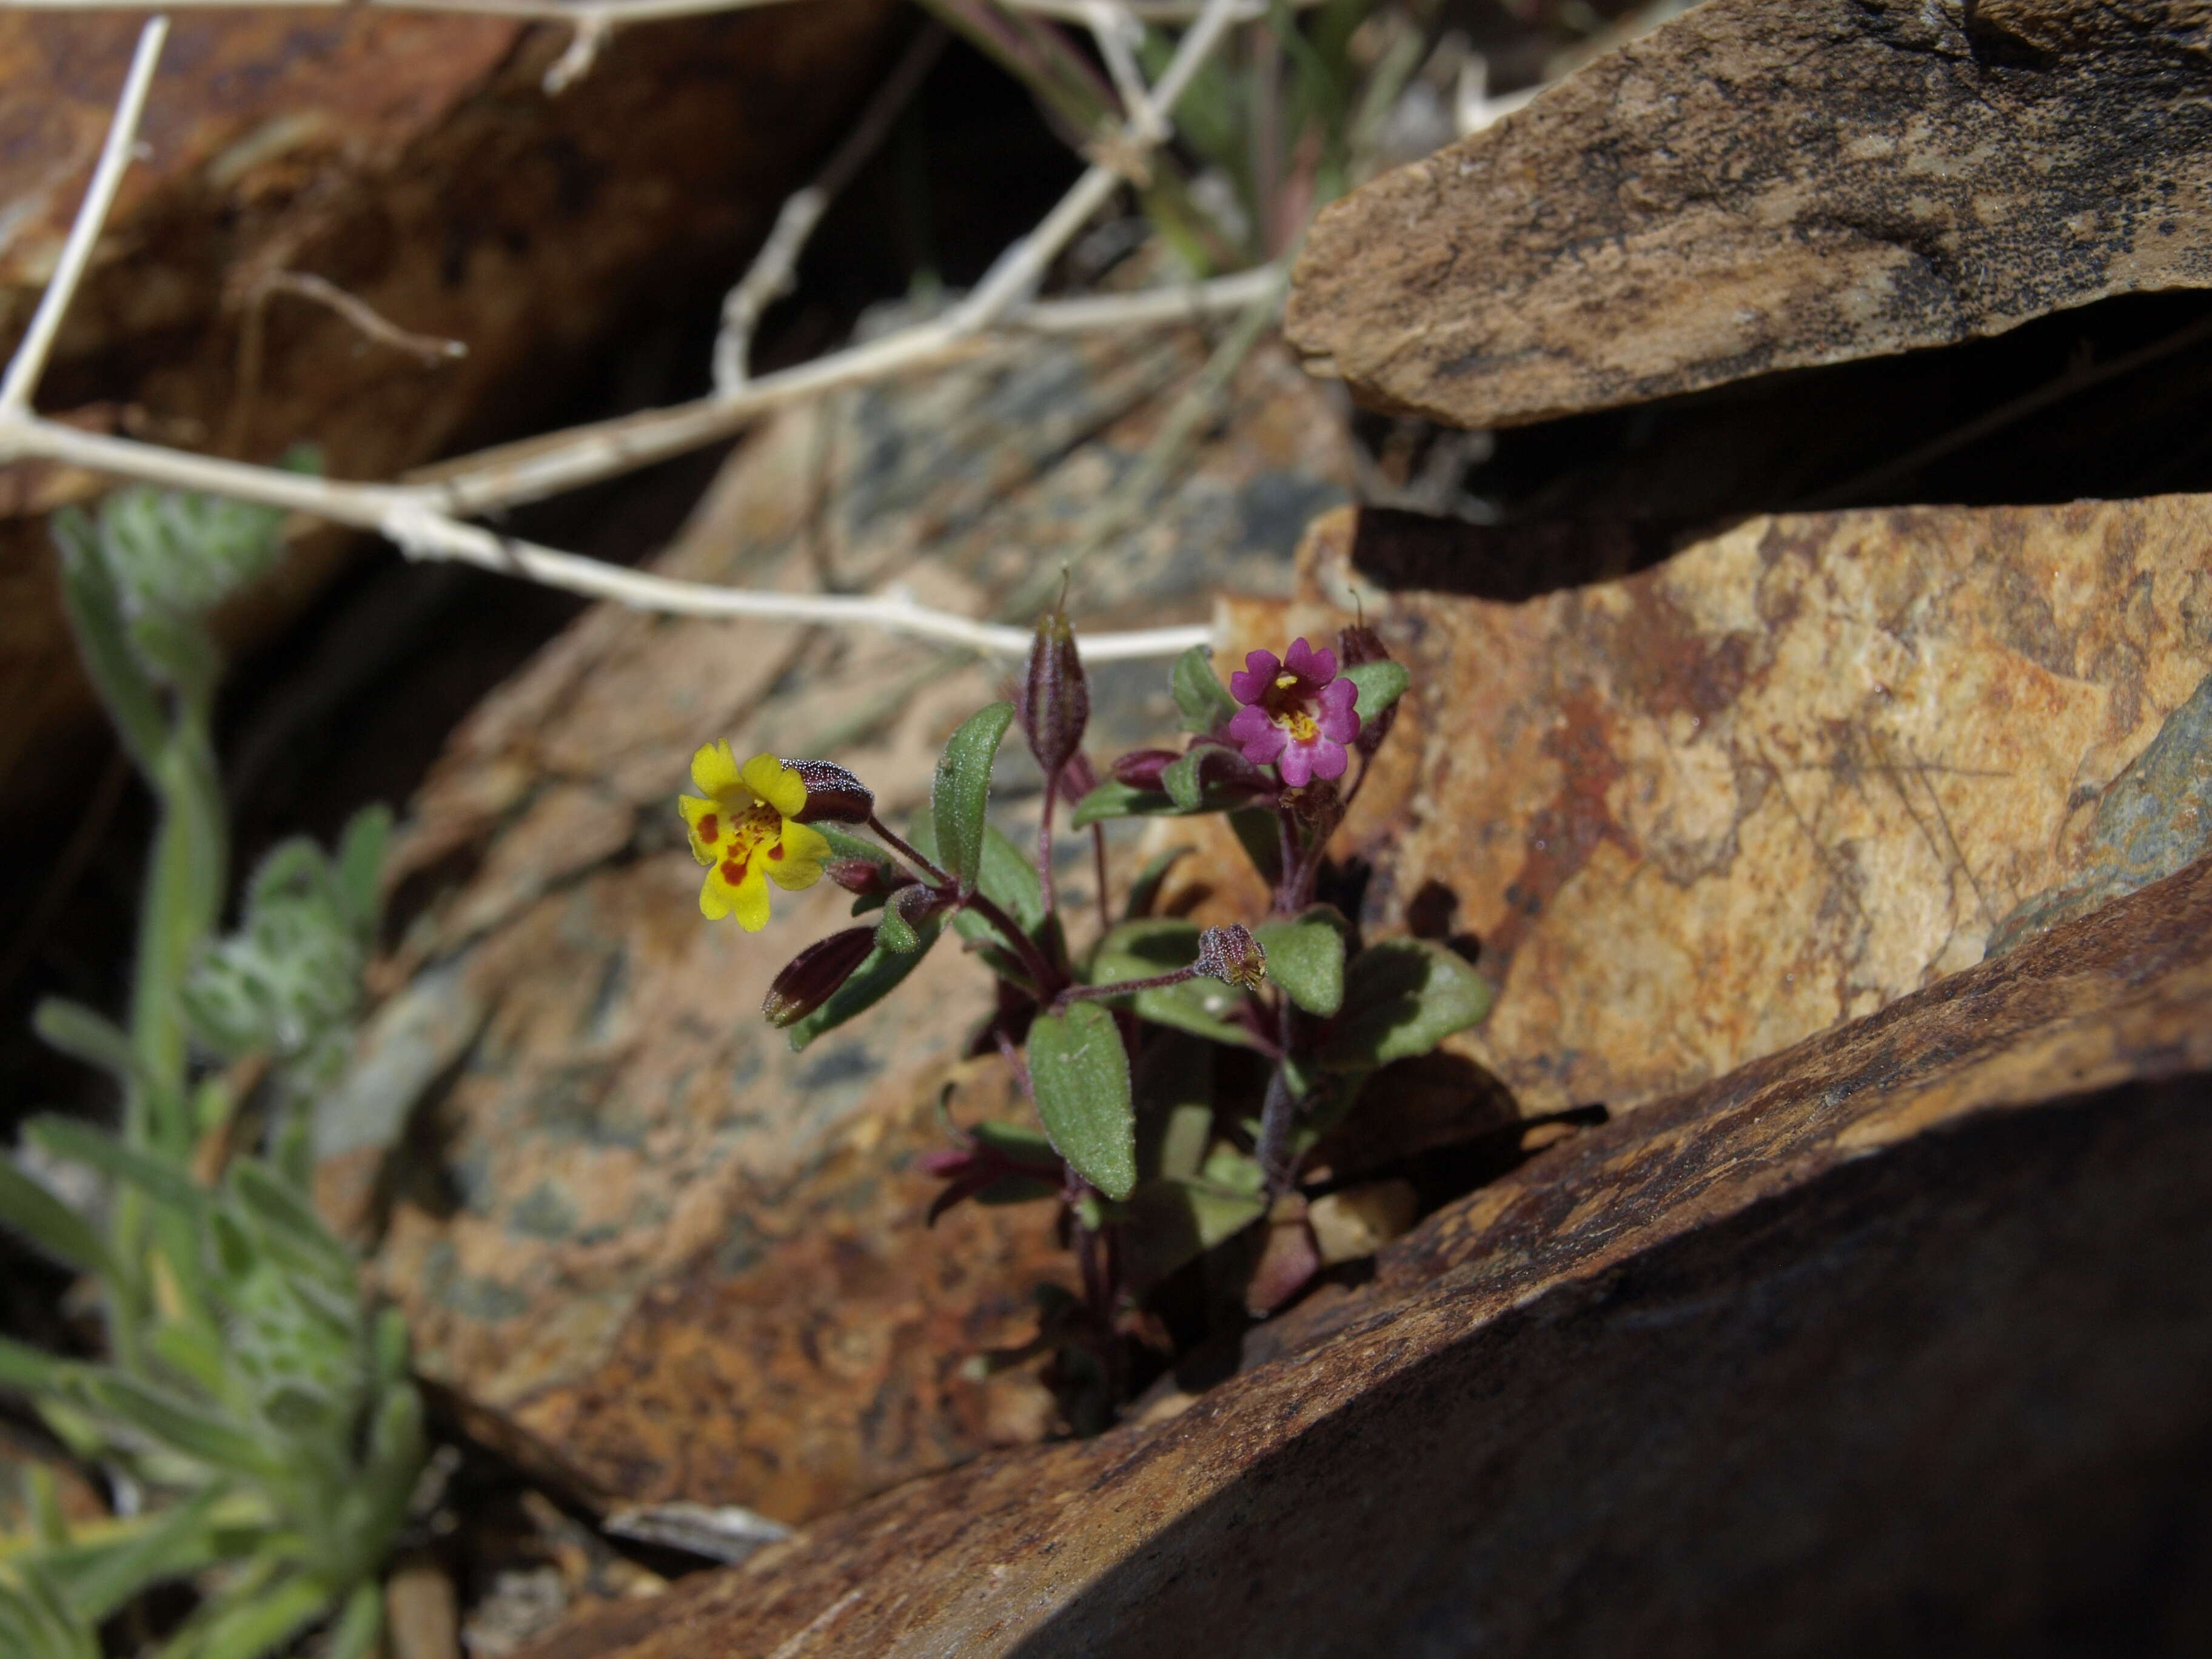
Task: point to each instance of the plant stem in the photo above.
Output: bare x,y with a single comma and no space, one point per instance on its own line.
1044,839
1098,855
929,871
1121,988
1277,1115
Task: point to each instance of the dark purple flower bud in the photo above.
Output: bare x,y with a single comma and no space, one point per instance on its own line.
1053,700
1140,768
832,794
867,877
917,905
1232,955
811,978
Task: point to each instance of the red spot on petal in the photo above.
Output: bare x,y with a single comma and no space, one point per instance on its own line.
733,871
710,828
776,851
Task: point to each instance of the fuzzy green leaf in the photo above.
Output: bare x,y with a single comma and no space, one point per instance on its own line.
96,613
173,1545
360,1624
1081,1076
962,790
1260,834
51,1226
1402,998
82,1034
360,866
1305,956
1381,683
1009,880
80,1143
30,1370
1204,700
182,1426
251,1628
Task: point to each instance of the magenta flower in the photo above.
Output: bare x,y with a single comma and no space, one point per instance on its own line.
1297,715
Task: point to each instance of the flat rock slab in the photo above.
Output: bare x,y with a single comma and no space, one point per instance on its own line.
1891,1343
1757,187
640,1243
1690,816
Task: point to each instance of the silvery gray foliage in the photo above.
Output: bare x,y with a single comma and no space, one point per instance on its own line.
287,982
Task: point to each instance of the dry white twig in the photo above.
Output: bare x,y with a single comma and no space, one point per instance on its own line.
770,278
423,348
423,519
591,33
37,342
614,11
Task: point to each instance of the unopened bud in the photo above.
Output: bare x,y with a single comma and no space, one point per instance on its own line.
1053,701
866,876
1232,955
832,794
813,976
1140,768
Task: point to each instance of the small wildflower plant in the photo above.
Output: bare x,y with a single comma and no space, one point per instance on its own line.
1181,1076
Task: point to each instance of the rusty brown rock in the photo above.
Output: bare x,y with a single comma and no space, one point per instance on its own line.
1799,769
413,161
642,1245
1755,186
1893,1337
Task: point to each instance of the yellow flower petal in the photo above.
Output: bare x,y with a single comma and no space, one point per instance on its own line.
805,848
708,824
713,897
776,784
751,901
714,769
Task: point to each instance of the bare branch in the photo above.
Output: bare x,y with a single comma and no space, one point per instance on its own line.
30,359
423,532
770,277
427,348
534,468
593,29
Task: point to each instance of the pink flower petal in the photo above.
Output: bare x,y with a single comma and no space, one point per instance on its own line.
1269,742
1296,764
1250,683
1339,722
1328,759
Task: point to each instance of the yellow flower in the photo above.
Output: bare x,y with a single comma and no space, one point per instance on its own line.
743,829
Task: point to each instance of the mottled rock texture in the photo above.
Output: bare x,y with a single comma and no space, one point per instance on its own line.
415,162
1892,1342
652,1249
1757,187
1805,765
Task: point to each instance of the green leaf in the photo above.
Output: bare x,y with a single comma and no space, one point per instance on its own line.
1182,783
1081,1076
1170,1221
846,845
287,1218
82,1034
1139,949
1402,998
360,866
48,1223
173,1544
30,1370
1145,891
894,933
1381,683
252,1628
96,614
962,791
1305,956
98,1151
875,978
360,1624
180,1425
1204,700
1024,1145
1116,799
